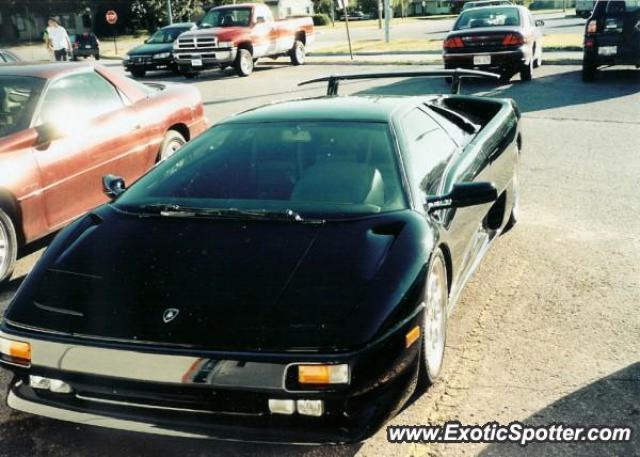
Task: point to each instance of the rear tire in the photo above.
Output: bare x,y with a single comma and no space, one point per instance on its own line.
172,142
434,325
297,53
8,247
588,71
515,209
244,63
526,74
96,56
138,73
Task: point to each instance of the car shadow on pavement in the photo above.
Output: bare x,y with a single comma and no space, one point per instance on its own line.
211,74
610,401
542,93
26,435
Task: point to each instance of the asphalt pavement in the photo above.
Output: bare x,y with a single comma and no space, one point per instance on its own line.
547,330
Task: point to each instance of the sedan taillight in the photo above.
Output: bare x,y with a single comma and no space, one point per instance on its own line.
452,43
592,27
513,39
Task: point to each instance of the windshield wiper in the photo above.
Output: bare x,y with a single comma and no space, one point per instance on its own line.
174,210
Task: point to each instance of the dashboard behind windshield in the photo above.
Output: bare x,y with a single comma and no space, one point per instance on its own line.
314,168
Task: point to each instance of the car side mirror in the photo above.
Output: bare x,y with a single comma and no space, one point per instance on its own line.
48,132
260,20
462,195
539,23
113,186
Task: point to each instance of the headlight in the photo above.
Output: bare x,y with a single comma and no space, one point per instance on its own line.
162,55
225,44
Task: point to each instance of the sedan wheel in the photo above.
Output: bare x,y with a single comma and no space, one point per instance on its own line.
435,319
171,143
526,74
8,247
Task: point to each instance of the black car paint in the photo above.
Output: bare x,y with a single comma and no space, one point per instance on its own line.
140,58
620,29
316,303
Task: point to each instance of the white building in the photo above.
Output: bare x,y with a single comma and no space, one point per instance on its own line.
285,8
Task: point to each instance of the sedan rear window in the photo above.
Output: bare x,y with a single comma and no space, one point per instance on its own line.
488,17
314,168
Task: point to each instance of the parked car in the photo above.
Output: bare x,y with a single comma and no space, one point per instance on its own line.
481,3
63,126
504,39
584,8
85,45
7,56
157,52
238,35
286,276
612,36
355,16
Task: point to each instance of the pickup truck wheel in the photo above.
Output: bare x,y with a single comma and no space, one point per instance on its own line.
8,247
298,53
138,73
244,63
172,142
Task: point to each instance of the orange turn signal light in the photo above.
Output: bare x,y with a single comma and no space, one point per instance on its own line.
323,374
15,351
412,336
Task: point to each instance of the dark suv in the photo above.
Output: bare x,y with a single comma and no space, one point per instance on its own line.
85,45
612,36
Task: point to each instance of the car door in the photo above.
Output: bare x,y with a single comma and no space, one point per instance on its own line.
436,163
94,132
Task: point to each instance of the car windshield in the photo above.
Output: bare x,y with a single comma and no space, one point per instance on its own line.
317,169
166,36
227,17
488,17
18,97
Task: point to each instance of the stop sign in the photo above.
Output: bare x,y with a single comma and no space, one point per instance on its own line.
111,16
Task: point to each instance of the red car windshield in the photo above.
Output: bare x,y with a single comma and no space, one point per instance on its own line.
227,17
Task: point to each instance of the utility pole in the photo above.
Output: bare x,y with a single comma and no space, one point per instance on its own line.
380,14
169,13
387,19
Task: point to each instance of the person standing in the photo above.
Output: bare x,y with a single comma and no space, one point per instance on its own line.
58,40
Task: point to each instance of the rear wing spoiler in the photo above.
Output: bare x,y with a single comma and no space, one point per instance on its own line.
455,75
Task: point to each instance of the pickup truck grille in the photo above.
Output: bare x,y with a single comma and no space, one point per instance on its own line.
197,44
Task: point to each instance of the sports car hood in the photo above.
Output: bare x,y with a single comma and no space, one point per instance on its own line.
222,284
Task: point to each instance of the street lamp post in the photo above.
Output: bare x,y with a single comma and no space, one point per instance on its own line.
169,12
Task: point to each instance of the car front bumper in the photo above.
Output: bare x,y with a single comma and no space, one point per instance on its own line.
216,395
512,60
148,64
197,61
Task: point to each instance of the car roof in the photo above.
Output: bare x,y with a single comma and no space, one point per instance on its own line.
239,5
40,70
501,7
363,108
178,25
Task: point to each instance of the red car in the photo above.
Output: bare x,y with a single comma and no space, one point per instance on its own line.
64,126
238,35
